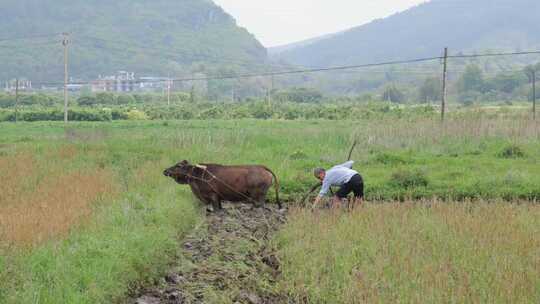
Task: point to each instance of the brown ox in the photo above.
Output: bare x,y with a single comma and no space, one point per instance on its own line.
213,184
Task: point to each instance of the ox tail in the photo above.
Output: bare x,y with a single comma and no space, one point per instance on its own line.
276,187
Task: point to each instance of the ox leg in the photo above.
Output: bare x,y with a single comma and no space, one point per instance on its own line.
259,201
216,203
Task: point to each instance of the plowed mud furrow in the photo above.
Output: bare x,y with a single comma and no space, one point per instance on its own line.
226,260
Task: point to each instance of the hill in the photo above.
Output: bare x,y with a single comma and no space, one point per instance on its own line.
276,50
425,30
147,37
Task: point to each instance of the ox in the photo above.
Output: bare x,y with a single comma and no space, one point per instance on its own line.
213,184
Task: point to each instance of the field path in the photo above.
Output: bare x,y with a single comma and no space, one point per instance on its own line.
226,260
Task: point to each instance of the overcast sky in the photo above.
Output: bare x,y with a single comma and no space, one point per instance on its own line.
277,22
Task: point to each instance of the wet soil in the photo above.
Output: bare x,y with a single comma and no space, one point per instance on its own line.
226,260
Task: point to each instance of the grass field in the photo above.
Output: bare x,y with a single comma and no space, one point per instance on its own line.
85,213
424,252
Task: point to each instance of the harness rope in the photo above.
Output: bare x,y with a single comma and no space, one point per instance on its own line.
213,176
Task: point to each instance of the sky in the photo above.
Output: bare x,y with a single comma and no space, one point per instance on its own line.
279,22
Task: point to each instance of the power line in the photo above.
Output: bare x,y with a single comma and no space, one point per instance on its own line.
30,37
303,71
31,44
317,70
494,54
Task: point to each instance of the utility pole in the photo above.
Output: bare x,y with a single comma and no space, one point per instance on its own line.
192,93
534,93
445,75
65,43
169,91
16,99
270,91
531,74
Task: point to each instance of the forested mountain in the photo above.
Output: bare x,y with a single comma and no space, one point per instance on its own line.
424,30
147,37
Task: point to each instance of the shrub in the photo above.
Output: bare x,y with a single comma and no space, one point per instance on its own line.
409,178
389,159
136,115
87,100
125,99
298,155
512,151
106,98
212,113
117,114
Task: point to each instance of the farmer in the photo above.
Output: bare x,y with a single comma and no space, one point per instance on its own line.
343,176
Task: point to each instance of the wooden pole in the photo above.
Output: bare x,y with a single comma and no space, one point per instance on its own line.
271,92
534,93
65,43
16,99
169,91
445,75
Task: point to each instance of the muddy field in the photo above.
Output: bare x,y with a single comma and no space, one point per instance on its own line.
226,260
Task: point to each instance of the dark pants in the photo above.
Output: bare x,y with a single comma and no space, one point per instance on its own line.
356,185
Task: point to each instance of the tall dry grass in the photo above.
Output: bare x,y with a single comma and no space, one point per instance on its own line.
427,252
43,199
429,131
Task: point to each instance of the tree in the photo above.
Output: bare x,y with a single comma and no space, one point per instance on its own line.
471,80
533,73
505,83
87,100
125,99
430,90
105,98
299,95
393,94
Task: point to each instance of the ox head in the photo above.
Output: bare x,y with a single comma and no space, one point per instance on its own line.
179,172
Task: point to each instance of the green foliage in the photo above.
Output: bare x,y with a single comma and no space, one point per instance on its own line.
430,90
87,100
409,178
506,83
391,93
125,99
512,151
299,95
135,114
389,159
105,98
58,115
471,80
298,155
29,99
169,37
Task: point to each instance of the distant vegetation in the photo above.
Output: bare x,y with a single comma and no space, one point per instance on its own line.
471,88
150,38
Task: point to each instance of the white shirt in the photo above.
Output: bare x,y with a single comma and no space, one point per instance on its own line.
337,176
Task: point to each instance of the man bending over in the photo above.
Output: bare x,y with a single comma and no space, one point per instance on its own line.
344,176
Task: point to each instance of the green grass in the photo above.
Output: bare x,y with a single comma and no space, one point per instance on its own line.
130,242
131,236
129,239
